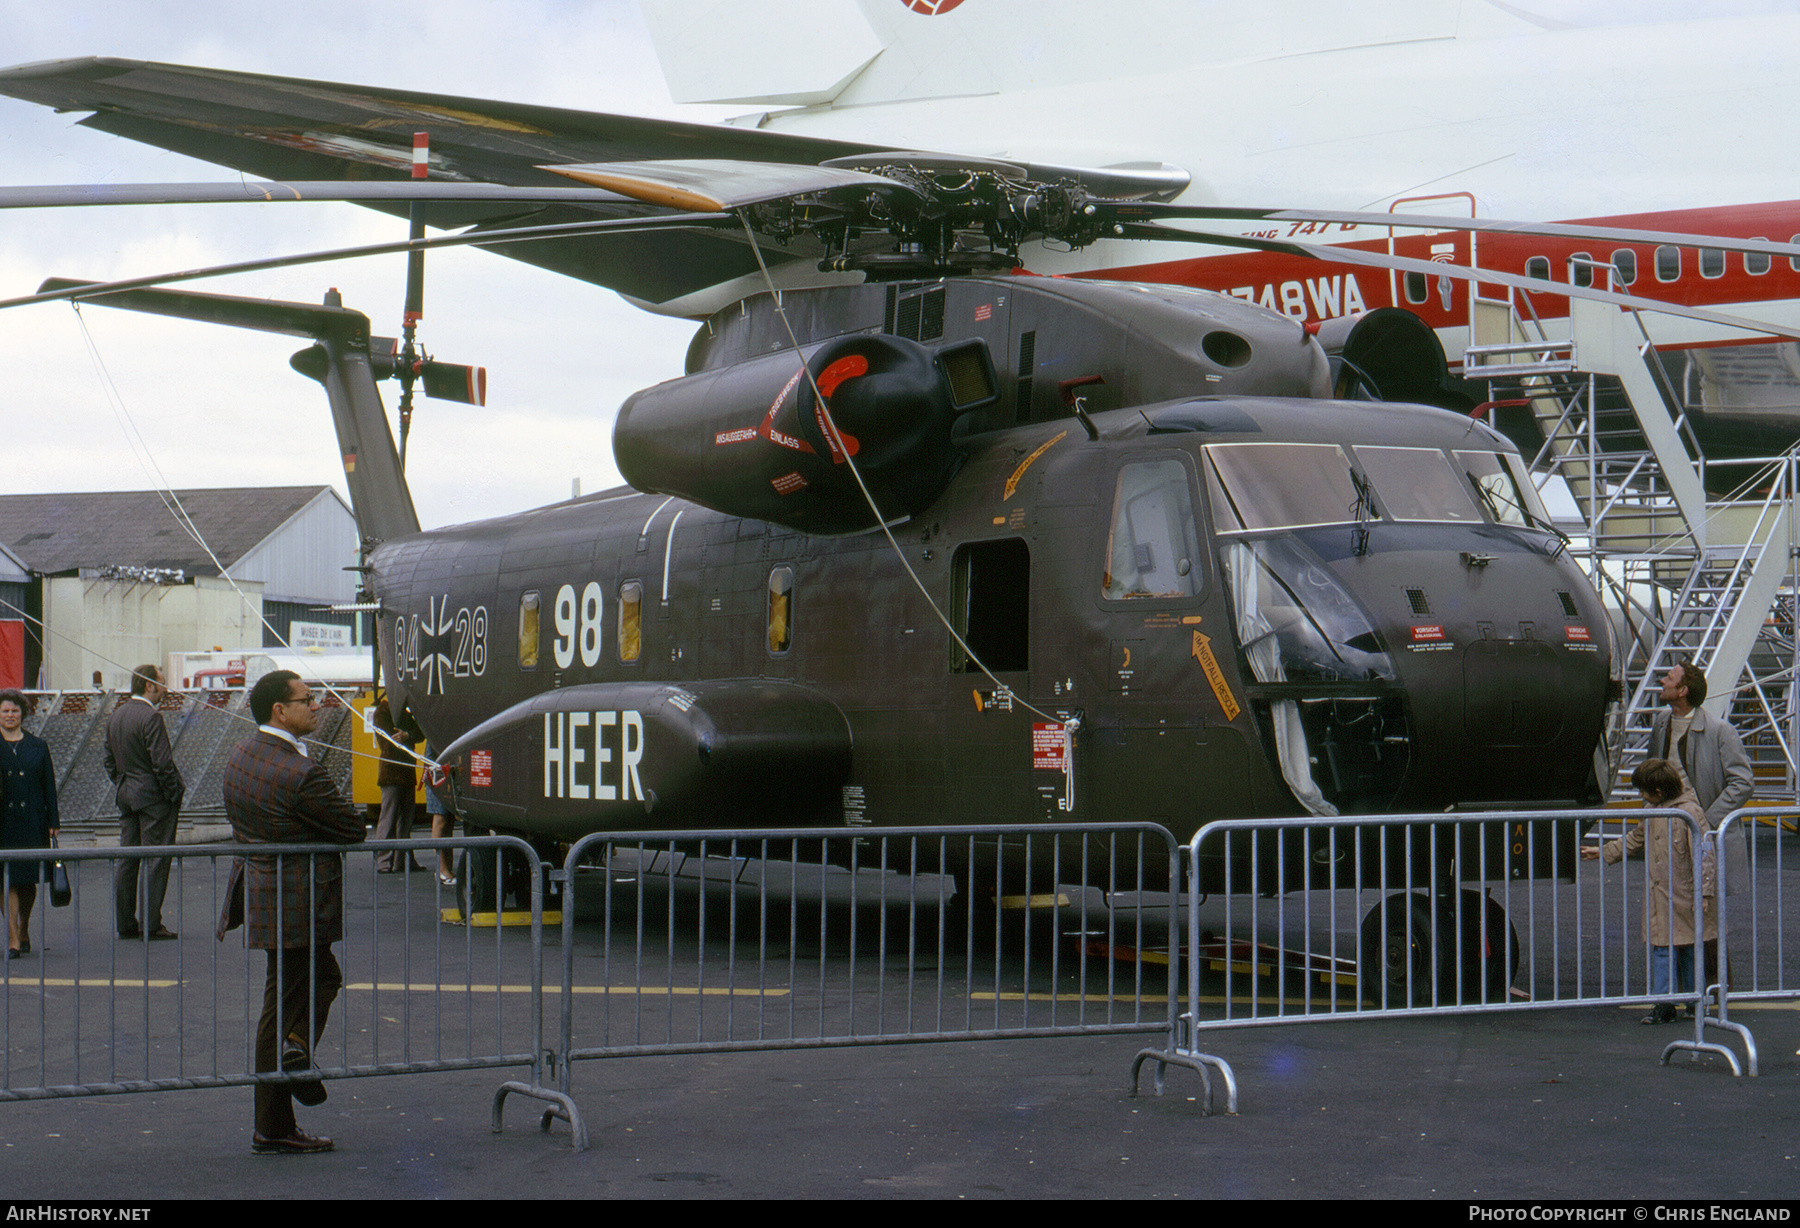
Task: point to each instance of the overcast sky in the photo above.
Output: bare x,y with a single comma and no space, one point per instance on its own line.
203,406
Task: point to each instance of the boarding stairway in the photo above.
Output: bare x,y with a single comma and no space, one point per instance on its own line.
1687,575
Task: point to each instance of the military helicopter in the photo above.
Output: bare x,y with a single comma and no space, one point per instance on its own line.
956,545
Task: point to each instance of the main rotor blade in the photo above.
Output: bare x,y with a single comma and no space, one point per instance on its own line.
1133,211
264,192
264,315
710,185
1432,268
518,234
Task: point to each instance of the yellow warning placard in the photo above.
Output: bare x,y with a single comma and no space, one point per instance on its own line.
1215,676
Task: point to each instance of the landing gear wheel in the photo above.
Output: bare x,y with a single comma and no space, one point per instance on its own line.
1405,943
1400,952
1490,951
475,885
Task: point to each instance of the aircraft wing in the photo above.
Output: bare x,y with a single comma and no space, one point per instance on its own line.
287,128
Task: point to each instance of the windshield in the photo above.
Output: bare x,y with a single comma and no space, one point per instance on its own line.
1417,484
1280,486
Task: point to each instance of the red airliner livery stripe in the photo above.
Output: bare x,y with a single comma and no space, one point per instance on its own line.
1303,288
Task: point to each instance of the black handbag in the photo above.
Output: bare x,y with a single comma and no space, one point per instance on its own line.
60,894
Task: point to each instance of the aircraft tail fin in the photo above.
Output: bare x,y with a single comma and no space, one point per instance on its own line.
340,359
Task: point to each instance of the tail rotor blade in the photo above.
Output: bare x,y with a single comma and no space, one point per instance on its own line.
449,381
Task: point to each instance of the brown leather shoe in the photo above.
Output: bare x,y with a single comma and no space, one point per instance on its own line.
163,933
299,1143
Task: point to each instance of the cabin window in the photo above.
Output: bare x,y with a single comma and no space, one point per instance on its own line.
1152,550
1757,263
1504,487
781,610
1625,265
1538,267
1581,269
1282,486
528,631
1668,262
1712,262
1794,261
1418,289
1417,484
991,606
631,620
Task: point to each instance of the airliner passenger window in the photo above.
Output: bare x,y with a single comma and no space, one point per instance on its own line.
1581,269
1757,263
1794,261
631,620
1538,267
1417,288
1625,263
1282,486
1153,550
1712,262
1668,262
1417,484
528,631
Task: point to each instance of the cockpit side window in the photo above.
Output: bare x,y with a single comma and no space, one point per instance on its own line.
1504,487
1153,548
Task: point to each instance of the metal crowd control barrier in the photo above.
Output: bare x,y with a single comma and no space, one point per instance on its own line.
706,941
1753,863
1330,919
87,1013
801,938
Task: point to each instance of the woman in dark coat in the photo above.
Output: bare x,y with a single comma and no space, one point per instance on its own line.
27,816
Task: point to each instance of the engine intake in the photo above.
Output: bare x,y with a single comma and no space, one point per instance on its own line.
752,440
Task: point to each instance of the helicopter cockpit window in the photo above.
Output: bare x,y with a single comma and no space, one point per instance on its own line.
528,631
1281,486
1295,621
1152,550
1417,484
1504,487
631,620
781,610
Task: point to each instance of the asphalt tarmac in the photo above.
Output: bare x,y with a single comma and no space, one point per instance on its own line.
1542,1104
1538,1104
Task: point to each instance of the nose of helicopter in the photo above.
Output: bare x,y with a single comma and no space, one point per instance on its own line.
1506,667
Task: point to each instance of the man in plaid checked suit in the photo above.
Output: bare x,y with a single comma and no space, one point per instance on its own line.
293,906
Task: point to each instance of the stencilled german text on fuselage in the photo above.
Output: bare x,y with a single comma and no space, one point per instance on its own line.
579,755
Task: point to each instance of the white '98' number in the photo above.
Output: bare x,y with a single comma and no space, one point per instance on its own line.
591,613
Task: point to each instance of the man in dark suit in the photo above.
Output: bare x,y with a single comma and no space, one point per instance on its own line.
294,905
399,782
149,790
